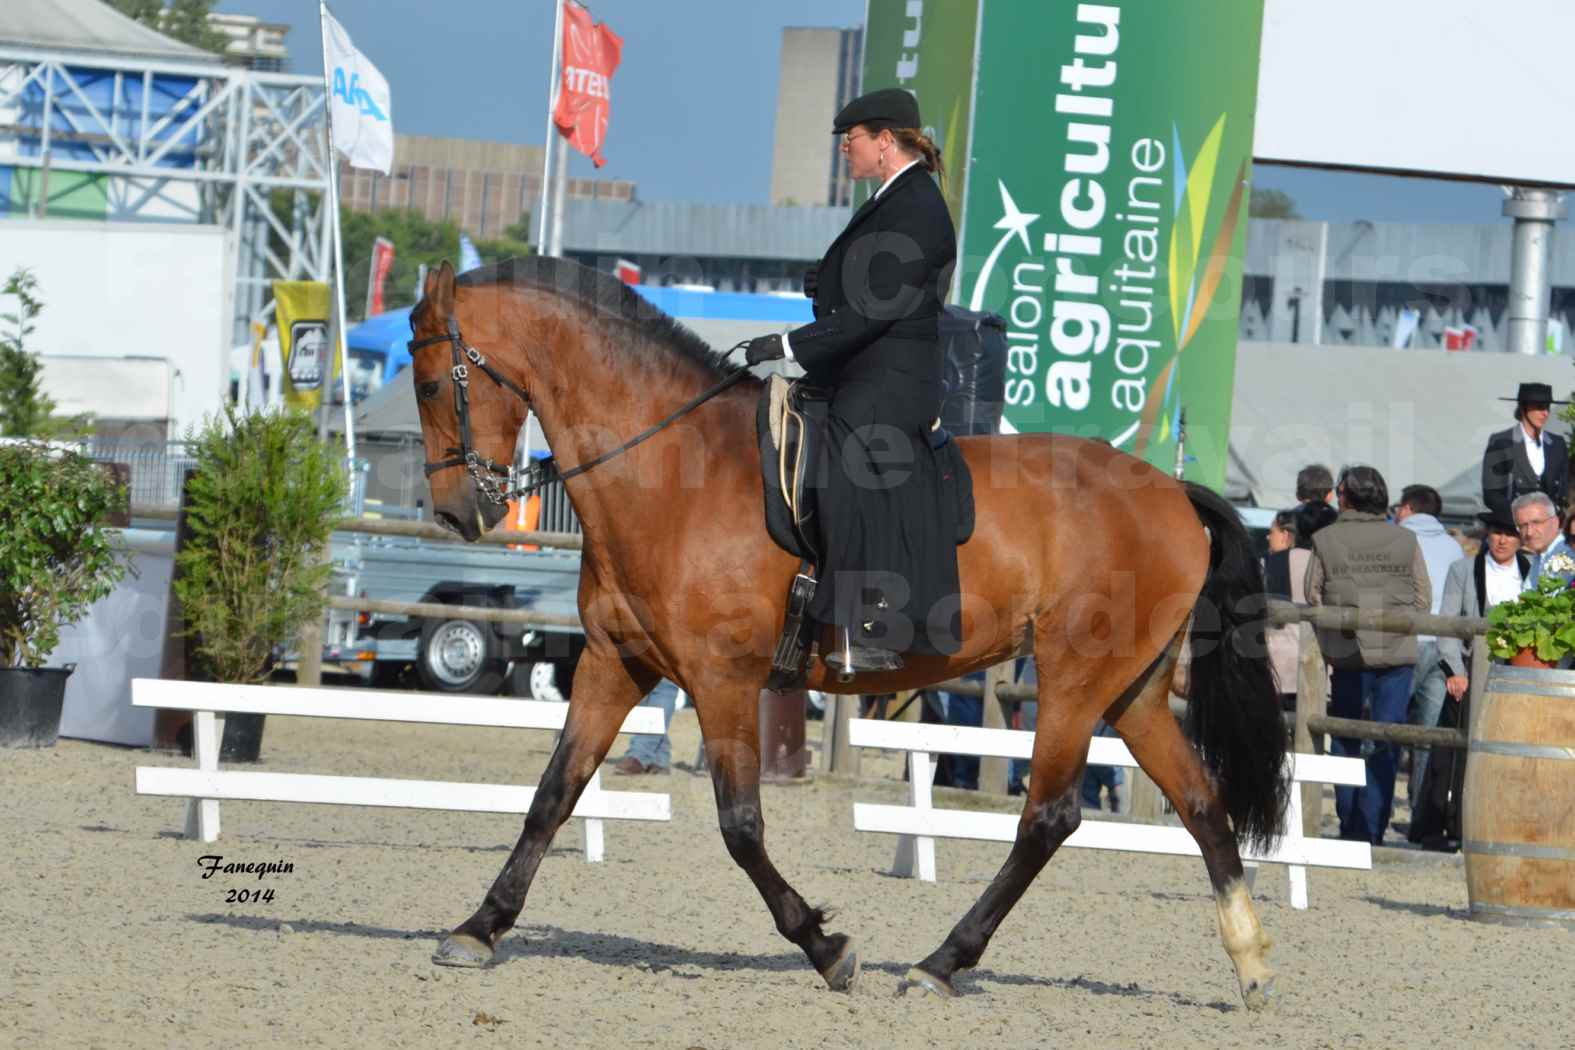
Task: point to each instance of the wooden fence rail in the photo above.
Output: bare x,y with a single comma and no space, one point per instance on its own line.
416,530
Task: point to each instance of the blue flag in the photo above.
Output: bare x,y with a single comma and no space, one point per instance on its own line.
469,258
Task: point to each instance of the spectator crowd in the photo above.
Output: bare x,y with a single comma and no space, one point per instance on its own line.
1346,544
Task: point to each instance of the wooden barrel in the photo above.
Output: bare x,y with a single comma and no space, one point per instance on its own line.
1519,799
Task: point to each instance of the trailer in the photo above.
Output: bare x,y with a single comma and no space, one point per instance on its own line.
456,654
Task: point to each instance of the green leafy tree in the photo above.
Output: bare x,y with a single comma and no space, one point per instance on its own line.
261,506
416,239
503,248
56,556
183,20
1272,204
25,410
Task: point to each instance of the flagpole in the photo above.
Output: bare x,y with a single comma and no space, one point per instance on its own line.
552,103
339,245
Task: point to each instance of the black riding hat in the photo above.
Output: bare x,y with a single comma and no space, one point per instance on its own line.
1534,394
1495,519
886,108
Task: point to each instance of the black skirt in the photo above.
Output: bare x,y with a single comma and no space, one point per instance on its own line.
889,518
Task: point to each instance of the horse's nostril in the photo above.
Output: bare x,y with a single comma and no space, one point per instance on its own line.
447,520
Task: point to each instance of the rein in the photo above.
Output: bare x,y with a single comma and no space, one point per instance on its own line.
484,472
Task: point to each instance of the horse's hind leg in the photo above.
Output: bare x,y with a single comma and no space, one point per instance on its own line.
1162,749
606,688
1050,815
729,719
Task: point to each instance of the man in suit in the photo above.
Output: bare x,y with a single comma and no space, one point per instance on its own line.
1526,458
1537,521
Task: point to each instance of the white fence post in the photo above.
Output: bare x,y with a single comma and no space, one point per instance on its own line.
207,736
595,845
918,850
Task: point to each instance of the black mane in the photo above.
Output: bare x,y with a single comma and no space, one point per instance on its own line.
608,298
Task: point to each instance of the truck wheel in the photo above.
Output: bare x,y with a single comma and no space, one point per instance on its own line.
545,680
458,656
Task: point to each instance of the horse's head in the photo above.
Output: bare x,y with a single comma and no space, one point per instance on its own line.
470,418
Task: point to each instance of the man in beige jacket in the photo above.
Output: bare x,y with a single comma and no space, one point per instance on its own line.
1365,561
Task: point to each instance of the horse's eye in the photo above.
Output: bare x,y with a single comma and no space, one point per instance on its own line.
426,391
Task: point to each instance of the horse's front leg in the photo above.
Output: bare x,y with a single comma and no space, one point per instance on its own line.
729,719
606,688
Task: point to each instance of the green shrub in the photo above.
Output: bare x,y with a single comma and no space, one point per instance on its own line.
1542,619
56,555
261,507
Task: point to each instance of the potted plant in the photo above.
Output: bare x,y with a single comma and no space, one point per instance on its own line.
260,506
57,557
1537,629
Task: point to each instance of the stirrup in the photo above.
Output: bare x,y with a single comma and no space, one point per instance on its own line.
852,660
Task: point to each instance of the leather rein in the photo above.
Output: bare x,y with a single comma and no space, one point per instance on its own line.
484,472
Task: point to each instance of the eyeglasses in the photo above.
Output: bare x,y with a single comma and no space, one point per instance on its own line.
1522,526
849,140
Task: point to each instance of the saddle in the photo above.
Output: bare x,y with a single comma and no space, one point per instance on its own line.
790,424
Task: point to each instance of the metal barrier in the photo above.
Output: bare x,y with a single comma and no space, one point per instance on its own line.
158,470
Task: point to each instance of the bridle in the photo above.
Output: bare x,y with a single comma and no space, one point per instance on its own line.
484,472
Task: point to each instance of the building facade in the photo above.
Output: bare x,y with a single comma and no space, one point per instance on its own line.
821,72
251,42
484,187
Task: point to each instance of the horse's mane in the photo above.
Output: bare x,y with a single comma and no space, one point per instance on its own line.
606,298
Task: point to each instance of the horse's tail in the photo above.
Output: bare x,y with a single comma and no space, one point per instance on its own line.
1234,715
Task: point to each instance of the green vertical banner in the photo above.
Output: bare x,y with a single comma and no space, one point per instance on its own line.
926,47
1106,215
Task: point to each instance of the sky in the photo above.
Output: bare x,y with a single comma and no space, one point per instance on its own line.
694,101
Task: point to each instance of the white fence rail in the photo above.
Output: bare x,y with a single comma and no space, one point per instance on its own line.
206,785
919,823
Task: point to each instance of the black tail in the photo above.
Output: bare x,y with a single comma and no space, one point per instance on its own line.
1234,715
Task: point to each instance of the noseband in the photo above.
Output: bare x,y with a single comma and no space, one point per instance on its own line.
483,471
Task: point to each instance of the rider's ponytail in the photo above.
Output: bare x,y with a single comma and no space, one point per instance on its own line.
915,141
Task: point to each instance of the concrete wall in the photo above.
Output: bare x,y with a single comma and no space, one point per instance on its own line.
113,290
1421,417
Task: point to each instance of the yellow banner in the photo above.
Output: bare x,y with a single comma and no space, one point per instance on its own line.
306,354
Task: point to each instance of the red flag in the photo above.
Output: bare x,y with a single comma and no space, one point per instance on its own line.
590,56
382,263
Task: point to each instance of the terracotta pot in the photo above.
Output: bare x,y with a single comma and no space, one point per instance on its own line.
1528,658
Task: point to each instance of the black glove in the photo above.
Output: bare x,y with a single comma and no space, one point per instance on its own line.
764,348
811,281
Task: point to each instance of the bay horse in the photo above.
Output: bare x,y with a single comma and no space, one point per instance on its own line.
1101,566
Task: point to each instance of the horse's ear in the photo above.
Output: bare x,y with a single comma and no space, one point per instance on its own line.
439,290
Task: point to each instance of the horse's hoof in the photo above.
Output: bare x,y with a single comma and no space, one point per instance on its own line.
843,974
926,984
1256,994
461,949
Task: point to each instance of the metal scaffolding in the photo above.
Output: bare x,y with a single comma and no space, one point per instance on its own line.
228,147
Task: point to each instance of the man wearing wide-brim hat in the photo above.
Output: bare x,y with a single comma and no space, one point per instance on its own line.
1526,458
